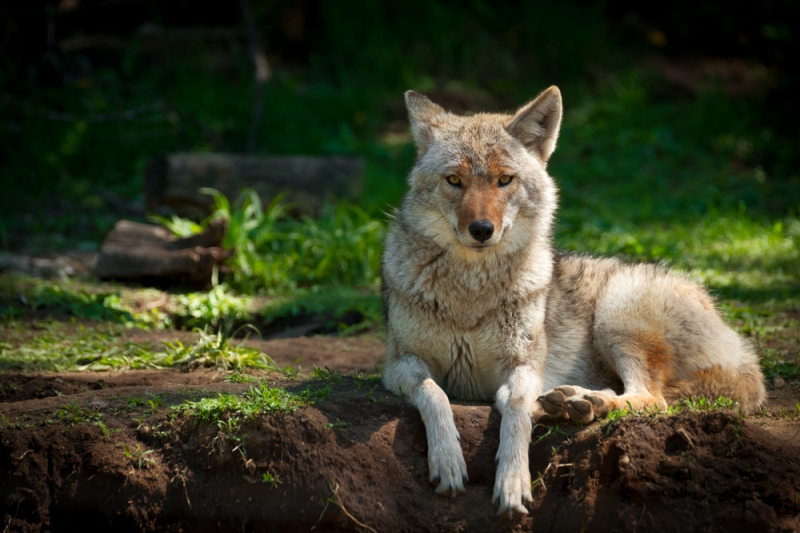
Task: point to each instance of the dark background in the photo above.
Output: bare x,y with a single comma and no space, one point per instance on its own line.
672,109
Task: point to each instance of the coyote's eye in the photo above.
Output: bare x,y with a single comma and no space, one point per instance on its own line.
504,180
455,181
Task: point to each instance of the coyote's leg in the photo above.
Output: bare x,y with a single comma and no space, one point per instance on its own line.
410,376
642,376
515,401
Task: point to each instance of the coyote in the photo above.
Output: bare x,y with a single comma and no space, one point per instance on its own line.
479,305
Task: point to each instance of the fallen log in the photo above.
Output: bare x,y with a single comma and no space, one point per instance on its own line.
143,251
173,181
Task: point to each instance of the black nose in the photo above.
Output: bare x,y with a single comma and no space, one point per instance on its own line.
481,230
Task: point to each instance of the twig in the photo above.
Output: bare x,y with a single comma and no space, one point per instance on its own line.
338,501
261,73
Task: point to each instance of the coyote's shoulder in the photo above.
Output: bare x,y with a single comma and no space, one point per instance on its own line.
479,306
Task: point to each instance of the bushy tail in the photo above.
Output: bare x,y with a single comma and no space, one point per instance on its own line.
745,384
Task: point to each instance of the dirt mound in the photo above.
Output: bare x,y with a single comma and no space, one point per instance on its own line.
356,460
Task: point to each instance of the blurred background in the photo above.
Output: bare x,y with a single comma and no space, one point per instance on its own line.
680,139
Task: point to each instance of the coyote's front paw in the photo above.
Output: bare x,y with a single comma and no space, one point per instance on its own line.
447,467
512,488
575,403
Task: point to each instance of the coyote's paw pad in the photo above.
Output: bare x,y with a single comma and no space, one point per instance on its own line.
512,488
577,404
554,402
447,467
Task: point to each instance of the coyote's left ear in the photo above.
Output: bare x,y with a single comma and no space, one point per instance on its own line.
422,115
536,124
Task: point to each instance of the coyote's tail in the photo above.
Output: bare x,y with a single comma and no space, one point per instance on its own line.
745,384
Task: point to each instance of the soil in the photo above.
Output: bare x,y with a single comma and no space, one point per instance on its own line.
356,461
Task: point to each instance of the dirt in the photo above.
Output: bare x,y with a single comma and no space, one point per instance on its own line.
356,460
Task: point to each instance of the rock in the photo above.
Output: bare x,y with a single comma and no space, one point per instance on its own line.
778,383
679,442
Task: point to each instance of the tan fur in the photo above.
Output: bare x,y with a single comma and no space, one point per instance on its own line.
510,319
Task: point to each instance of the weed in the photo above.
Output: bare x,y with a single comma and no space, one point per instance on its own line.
271,479
699,403
139,457
73,414
338,423
236,377
258,399
326,374
17,424
369,383
216,350
555,429
105,429
102,348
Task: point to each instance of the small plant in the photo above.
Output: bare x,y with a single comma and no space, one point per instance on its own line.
705,404
271,479
17,424
258,399
369,383
326,374
551,430
105,429
139,457
338,423
73,414
236,377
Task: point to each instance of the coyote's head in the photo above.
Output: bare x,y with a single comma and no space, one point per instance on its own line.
480,181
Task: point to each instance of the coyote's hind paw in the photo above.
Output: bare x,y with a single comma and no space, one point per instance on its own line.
575,403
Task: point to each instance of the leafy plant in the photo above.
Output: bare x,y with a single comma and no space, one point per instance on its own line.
139,457
271,480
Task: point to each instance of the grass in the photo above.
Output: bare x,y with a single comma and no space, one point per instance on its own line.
103,347
683,405
258,399
139,457
72,413
274,253
707,183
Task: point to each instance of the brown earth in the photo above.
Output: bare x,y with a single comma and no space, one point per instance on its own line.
357,461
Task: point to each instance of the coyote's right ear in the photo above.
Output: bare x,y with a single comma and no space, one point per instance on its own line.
421,115
536,124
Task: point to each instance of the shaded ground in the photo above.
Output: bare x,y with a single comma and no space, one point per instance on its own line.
356,460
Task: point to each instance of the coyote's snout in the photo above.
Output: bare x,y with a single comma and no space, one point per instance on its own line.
480,306
479,204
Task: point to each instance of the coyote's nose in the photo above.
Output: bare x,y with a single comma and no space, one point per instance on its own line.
481,230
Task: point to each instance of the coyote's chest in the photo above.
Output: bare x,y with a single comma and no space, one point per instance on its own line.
459,332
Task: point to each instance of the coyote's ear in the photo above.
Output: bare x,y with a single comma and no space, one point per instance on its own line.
536,124
421,115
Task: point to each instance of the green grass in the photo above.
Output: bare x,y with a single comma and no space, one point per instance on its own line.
707,184
274,253
257,400
102,348
683,405
72,413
